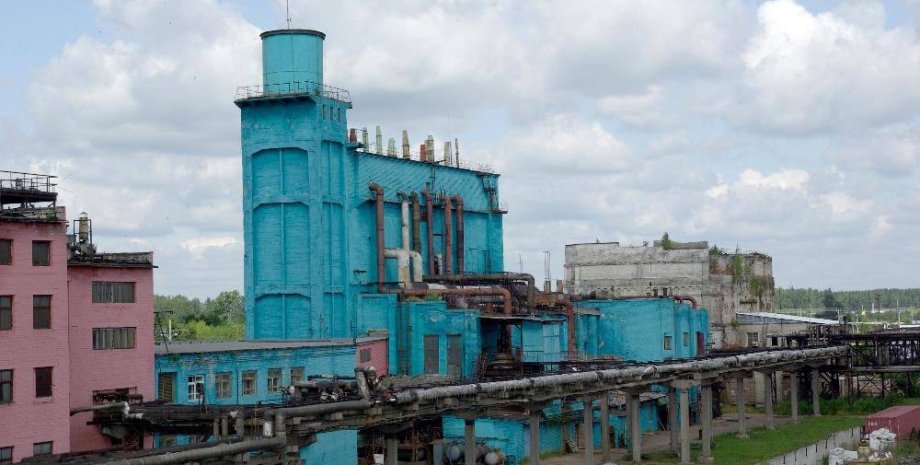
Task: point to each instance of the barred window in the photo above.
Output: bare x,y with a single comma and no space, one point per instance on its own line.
6,312
41,312
6,254
41,253
109,292
223,385
114,338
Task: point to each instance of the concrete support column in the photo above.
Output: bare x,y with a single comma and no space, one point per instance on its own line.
469,441
605,427
224,427
684,424
778,376
706,414
794,395
635,425
768,399
739,399
216,429
534,436
816,392
240,426
391,452
587,429
672,419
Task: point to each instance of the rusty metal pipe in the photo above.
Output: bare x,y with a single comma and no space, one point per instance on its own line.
429,207
416,219
381,267
491,277
680,298
448,234
458,199
570,315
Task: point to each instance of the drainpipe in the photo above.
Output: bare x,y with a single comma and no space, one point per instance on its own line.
688,298
416,229
430,212
570,314
381,268
448,235
460,239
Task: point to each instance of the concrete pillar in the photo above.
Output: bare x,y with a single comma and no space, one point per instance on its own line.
816,392
684,425
706,414
588,429
739,398
240,426
635,425
216,429
778,391
605,427
794,395
535,436
469,440
768,399
392,451
672,419
224,427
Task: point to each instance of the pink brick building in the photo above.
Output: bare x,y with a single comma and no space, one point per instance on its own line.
76,326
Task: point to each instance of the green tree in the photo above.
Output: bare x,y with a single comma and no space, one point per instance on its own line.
666,243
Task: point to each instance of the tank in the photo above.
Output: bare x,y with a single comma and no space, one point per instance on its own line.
292,57
900,420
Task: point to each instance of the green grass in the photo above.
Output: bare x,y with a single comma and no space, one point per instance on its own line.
764,444
848,406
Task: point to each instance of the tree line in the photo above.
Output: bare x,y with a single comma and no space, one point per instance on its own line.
182,318
808,298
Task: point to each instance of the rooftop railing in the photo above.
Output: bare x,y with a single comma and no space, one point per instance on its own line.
292,89
27,181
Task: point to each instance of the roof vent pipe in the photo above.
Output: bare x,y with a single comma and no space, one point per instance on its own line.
429,149
379,141
364,138
447,154
391,147
422,153
405,145
352,135
457,152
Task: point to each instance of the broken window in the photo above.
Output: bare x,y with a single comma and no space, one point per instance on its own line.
43,382
432,364
41,253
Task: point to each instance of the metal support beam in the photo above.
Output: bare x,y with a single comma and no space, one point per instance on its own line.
816,392
588,428
605,427
392,451
469,440
739,399
768,399
535,436
706,413
684,425
794,395
672,419
635,424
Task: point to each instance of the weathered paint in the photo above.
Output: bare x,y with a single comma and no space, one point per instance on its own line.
292,55
379,356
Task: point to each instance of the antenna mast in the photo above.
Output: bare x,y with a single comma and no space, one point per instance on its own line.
287,8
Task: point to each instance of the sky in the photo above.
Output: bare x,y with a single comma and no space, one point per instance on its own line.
788,128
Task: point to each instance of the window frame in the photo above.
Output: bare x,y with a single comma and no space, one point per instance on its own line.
164,379
49,444
455,355
7,382
223,385
249,377
37,260
6,251
114,292
667,342
273,380
46,389
755,339
6,455
123,338
686,339
365,355
41,311
6,313
300,373
193,394
431,356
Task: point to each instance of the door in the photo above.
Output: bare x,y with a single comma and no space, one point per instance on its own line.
166,387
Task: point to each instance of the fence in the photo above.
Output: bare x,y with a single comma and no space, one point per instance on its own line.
814,454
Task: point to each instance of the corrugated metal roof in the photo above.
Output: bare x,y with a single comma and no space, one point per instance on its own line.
194,347
896,411
760,318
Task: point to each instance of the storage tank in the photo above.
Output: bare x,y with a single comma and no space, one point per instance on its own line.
900,420
291,56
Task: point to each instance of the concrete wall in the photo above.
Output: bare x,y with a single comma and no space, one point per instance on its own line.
97,370
28,419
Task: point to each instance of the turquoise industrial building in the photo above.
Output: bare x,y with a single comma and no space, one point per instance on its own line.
360,252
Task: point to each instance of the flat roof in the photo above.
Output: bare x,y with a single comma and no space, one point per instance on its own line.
195,347
746,318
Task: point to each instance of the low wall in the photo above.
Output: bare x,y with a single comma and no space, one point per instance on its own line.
814,454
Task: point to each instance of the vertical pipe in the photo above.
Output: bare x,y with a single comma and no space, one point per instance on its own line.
416,219
794,395
448,235
684,425
422,156
534,436
635,427
392,451
816,392
605,427
588,428
739,398
378,141
672,418
429,211
768,399
707,421
405,145
381,268
469,441
461,250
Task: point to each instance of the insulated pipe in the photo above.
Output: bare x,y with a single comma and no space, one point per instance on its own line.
107,406
430,219
570,314
688,298
448,235
404,210
204,453
460,239
416,219
381,268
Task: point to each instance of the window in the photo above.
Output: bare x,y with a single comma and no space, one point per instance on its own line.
195,388
43,382
6,386
432,363
6,455
109,293
249,383
753,340
224,385
42,448
166,387
273,380
41,253
686,339
296,375
41,312
774,341
6,256
114,338
454,355
364,355
667,343
6,312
